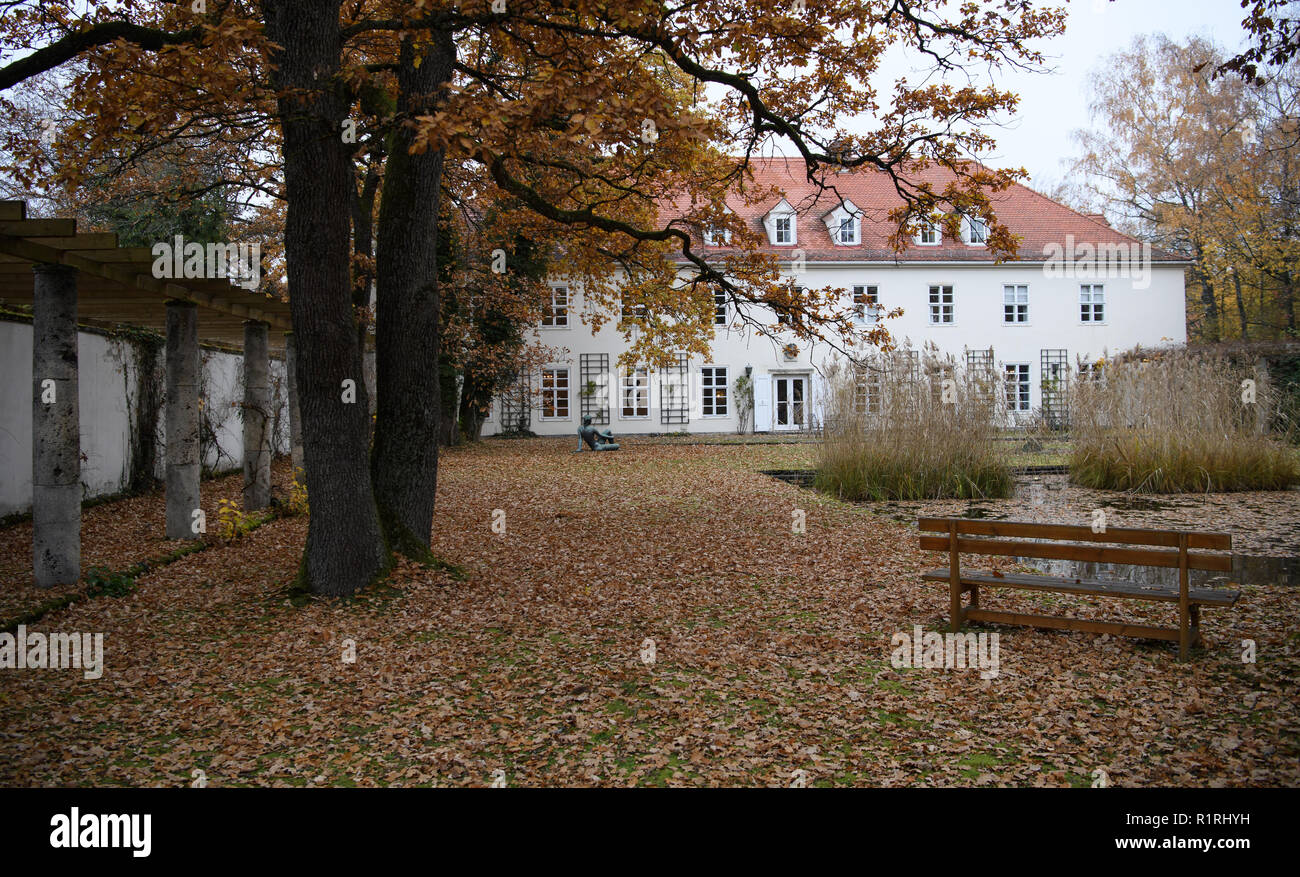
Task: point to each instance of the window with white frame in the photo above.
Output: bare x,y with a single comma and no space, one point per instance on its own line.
713,390
844,224
788,316
784,230
1092,303
1015,303
719,308
977,230
556,313
716,237
555,394
633,310
1091,372
867,391
636,392
866,304
941,306
780,225
929,234
1017,385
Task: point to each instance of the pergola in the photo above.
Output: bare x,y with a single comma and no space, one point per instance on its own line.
69,278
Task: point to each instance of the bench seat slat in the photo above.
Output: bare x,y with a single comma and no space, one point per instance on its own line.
1073,533
1089,553
1130,590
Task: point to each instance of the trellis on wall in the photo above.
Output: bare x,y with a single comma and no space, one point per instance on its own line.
517,404
1054,369
593,371
674,401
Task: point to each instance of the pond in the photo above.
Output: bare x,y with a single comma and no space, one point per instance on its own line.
1265,526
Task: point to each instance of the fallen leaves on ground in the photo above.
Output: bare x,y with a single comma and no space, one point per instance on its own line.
770,654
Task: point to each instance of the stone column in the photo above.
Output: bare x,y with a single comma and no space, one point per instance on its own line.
182,418
295,416
56,428
257,417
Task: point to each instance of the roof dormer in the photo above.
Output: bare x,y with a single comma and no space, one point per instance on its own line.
781,223
717,236
844,224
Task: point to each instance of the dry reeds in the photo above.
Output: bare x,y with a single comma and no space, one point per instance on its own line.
1170,421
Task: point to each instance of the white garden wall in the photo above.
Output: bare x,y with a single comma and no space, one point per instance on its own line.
107,387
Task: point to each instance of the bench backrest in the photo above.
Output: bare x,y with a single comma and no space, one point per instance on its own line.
995,538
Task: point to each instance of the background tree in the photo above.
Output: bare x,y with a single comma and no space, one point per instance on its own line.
1203,167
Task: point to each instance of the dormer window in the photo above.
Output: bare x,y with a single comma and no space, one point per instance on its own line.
717,236
844,224
977,231
780,224
929,235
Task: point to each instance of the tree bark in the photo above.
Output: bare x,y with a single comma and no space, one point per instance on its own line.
407,312
1241,306
345,549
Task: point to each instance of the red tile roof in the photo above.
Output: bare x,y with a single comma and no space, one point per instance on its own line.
1037,219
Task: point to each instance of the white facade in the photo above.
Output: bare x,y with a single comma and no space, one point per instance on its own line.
1046,314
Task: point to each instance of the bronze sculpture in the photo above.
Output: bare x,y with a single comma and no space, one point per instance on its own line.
594,438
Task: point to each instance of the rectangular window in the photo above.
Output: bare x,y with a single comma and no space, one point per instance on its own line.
789,316
1091,372
636,392
555,393
783,233
940,305
929,233
866,304
557,312
1015,304
719,308
630,310
713,390
1092,303
848,231
979,230
867,390
1017,385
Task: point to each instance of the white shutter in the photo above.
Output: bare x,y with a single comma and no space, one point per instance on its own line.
762,404
819,388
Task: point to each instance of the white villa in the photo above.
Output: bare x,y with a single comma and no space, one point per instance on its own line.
1076,289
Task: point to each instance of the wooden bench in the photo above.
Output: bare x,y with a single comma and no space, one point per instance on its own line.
1060,542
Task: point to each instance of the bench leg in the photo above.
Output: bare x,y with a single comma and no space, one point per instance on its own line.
954,579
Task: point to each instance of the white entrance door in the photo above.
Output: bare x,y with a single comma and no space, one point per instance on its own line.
790,402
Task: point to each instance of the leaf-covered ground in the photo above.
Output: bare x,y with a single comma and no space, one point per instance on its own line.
771,654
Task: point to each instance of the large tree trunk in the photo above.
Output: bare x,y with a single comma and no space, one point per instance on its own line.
1210,325
473,404
1287,301
407,317
345,548
448,399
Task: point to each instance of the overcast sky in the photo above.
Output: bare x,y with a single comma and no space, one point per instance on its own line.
1053,105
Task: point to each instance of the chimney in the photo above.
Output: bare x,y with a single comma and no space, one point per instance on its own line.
1098,217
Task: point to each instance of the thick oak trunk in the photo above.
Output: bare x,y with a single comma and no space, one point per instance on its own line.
345,549
405,461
